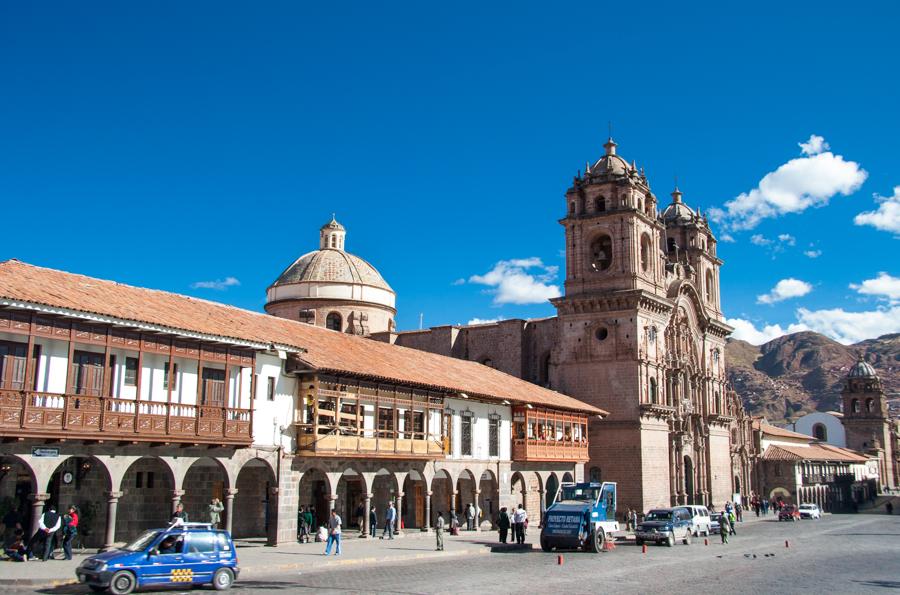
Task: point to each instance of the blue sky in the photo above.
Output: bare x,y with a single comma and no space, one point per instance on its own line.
165,144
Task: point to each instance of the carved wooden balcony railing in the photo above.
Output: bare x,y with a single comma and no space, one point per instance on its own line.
530,449
369,444
53,415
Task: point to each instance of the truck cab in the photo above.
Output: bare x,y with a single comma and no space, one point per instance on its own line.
583,516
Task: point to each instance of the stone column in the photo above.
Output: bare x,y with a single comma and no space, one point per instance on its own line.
367,528
37,509
112,509
541,508
476,494
399,506
428,510
176,499
332,498
229,507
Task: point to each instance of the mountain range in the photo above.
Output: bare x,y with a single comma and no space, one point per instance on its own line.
804,372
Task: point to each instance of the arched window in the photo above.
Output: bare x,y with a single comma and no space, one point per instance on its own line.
710,284
820,432
572,208
601,253
718,403
333,321
391,325
645,252
601,203
870,405
854,405
653,395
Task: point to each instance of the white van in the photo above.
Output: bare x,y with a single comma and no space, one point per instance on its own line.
700,521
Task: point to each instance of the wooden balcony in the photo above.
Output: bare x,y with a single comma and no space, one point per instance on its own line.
524,449
30,414
366,446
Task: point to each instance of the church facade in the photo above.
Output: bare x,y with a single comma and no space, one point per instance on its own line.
639,332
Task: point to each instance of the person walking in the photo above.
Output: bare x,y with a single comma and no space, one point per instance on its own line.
439,531
503,524
373,522
519,519
334,534
214,512
302,526
361,518
390,515
470,517
724,527
48,525
70,530
739,512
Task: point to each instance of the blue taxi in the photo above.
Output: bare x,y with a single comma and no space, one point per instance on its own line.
182,554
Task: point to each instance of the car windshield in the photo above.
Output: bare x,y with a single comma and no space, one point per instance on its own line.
583,494
659,515
141,543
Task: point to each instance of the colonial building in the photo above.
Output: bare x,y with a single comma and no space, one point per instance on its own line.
639,333
126,401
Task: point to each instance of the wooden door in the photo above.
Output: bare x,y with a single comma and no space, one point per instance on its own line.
88,376
419,500
12,365
213,387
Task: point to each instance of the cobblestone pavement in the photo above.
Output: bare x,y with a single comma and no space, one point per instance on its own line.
838,554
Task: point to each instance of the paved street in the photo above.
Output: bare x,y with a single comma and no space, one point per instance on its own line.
843,554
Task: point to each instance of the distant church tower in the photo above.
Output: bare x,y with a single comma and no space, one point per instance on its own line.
641,335
866,420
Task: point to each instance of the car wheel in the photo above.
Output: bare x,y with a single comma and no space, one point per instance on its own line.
545,545
670,540
687,538
597,541
223,579
122,583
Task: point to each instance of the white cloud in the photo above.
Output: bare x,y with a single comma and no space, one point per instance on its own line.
882,286
783,290
727,238
520,281
747,331
459,282
485,320
815,145
760,240
812,253
786,238
886,217
851,327
218,284
801,183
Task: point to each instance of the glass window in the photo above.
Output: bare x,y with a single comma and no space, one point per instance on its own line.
466,445
224,545
333,321
174,376
270,388
202,543
494,438
131,366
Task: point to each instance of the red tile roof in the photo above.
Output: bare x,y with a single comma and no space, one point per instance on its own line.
767,428
325,350
813,452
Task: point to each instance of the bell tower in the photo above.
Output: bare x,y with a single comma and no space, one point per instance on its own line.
866,419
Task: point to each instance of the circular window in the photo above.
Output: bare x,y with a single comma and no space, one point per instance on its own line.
601,333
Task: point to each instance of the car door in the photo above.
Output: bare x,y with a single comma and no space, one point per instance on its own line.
683,522
162,567
201,559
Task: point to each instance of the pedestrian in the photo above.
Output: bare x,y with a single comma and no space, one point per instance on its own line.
48,525
470,517
361,518
373,522
503,524
519,519
889,507
633,520
70,530
390,515
765,505
214,512
732,519
179,516
334,534
16,550
724,527
739,512
439,531
454,522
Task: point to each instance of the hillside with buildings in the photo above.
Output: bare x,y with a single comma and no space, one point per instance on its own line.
803,372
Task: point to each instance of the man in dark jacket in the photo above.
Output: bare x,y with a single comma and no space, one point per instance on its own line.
48,526
503,523
373,522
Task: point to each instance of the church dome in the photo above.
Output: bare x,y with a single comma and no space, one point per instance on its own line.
331,265
861,369
610,164
678,212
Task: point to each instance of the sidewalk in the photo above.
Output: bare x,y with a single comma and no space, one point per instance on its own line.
255,559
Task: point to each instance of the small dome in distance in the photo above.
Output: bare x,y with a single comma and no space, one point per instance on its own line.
861,369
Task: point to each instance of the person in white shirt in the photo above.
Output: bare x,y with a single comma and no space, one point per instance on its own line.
519,518
49,524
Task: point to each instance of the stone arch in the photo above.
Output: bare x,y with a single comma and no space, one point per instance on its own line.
83,482
313,490
854,406
203,479
568,478
870,405
334,321
518,489
415,492
689,485
18,485
350,492
780,493
600,252
551,490
466,484
646,252
148,497
256,500
385,488
820,432
441,494
488,497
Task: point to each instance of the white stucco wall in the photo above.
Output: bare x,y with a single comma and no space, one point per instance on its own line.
480,428
833,426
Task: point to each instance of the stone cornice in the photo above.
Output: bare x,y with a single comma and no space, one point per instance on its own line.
615,301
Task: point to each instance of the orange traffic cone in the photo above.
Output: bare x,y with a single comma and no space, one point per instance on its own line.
644,549
559,560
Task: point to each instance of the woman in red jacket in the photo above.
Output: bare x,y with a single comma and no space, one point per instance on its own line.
70,530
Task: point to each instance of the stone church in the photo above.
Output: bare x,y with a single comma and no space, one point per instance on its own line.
639,332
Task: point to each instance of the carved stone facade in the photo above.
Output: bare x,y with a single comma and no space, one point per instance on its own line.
867,422
640,333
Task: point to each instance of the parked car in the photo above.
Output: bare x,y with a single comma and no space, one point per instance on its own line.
788,512
665,525
714,522
183,554
701,524
810,511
